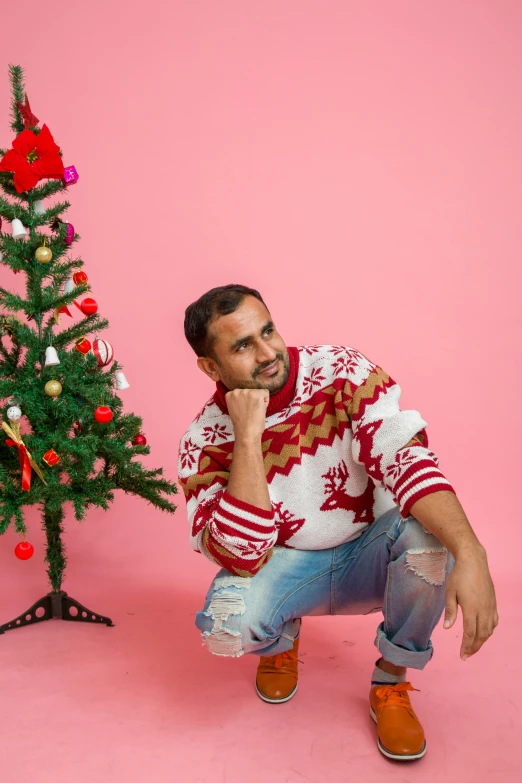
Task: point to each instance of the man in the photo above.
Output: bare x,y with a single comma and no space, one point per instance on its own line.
316,494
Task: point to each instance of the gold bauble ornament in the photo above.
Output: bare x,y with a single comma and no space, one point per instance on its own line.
43,254
53,388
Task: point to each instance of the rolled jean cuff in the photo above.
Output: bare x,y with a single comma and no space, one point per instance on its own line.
286,641
399,656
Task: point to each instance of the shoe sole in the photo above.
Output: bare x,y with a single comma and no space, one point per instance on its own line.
395,756
276,701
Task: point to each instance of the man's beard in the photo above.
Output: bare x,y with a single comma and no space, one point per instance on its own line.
257,383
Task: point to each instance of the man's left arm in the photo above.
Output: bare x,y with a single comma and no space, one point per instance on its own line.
392,444
470,585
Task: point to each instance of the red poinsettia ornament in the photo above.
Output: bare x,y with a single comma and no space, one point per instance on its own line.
33,158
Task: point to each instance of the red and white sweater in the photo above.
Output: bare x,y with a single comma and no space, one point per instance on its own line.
338,453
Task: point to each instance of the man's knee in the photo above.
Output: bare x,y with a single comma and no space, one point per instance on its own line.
223,621
424,554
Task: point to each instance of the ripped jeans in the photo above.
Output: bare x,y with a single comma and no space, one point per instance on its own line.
395,566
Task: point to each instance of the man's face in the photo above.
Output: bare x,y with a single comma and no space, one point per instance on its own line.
246,344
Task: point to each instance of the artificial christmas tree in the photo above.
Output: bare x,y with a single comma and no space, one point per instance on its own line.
67,438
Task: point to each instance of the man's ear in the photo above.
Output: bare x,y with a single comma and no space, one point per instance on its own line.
209,367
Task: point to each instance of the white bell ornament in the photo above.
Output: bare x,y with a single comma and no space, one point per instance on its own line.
121,381
17,228
51,357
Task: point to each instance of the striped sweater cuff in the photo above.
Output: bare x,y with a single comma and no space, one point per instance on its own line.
243,529
241,507
420,479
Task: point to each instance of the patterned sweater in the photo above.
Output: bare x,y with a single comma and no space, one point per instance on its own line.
338,453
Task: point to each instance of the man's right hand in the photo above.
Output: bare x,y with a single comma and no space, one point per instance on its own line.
247,409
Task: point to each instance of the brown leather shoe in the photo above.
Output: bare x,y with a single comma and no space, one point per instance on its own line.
276,680
401,737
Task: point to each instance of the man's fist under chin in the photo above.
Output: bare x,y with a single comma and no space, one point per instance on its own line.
247,409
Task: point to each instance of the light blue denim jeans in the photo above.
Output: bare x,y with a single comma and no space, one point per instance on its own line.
396,566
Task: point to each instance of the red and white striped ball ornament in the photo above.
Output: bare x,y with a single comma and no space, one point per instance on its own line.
103,351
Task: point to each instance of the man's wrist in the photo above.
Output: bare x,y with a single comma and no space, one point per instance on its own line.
470,550
247,439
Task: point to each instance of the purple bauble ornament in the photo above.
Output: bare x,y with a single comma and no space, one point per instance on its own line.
70,175
69,234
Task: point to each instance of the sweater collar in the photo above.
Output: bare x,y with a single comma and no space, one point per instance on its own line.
277,401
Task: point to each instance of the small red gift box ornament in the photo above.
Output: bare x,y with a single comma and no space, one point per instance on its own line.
51,458
83,345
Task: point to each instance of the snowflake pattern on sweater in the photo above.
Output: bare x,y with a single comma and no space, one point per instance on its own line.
338,452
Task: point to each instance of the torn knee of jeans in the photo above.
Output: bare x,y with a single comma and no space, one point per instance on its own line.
221,641
225,603
428,564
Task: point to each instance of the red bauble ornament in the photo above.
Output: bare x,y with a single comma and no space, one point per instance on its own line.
24,550
139,440
80,277
103,414
89,306
83,345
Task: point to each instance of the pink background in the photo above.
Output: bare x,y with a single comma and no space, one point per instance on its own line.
359,164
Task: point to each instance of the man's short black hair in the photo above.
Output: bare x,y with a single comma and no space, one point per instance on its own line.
218,301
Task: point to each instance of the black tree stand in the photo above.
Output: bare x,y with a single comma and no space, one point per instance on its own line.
56,604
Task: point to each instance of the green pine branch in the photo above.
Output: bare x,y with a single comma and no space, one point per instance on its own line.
92,323
38,193
51,214
24,335
8,211
62,271
10,513
43,191
29,218
16,77
9,363
7,185
13,301
50,300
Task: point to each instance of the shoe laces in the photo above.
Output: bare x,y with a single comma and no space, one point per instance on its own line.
285,657
395,695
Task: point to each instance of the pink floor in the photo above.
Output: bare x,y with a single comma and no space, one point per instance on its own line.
143,701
